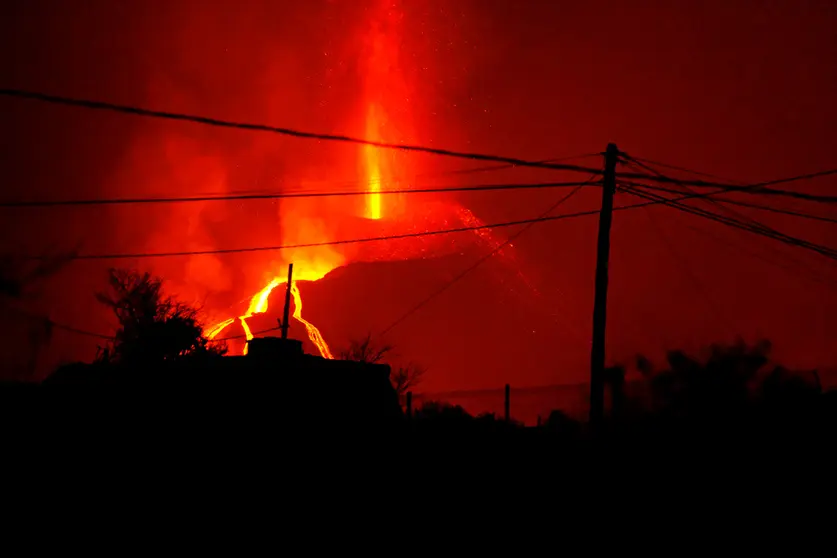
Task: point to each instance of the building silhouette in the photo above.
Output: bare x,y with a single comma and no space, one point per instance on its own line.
272,395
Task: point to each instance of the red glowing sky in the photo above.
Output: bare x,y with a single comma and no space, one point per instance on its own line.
742,89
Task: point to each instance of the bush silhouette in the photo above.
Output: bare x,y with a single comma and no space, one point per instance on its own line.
403,378
153,327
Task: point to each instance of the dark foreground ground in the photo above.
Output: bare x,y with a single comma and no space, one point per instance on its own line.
232,423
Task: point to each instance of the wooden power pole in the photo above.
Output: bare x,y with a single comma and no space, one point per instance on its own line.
597,355
287,310
507,403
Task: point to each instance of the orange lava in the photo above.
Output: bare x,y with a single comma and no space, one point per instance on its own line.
259,305
386,104
213,333
313,333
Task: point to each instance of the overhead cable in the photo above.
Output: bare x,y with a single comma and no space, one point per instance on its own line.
140,111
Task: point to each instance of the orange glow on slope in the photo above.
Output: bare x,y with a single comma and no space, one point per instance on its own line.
467,217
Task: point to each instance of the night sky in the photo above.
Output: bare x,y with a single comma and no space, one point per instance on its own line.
740,89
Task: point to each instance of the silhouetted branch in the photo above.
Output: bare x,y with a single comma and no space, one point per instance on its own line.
153,327
365,350
403,378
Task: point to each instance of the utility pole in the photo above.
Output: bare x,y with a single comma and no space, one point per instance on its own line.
287,310
507,403
597,355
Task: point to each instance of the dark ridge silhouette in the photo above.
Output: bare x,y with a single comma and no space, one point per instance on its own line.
161,381
161,386
732,404
153,327
278,405
273,394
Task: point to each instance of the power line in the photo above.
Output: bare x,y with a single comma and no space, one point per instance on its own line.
242,336
787,239
762,187
770,233
767,232
756,226
479,262
718,203
256,194
379,180
528,222
781,211
714,202
511,166
755,206
684,267
285,195
79,331
325,243
681,169
812,275
139,111
435,174
127,109
52,323
139,255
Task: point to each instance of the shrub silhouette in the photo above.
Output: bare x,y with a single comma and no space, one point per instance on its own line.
153,327
734,387
403,378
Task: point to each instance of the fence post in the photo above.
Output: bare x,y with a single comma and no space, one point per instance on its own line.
506,405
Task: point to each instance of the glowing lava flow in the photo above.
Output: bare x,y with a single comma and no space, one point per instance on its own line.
313,333
219,328
259,305
386,109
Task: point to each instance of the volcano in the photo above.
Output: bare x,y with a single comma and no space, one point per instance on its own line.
456,348
343,291
403,236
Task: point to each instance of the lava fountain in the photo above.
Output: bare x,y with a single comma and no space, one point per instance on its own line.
372,164
380,63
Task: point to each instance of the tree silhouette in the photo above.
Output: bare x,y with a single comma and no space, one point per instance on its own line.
153,327
365,350
403,378
730,379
